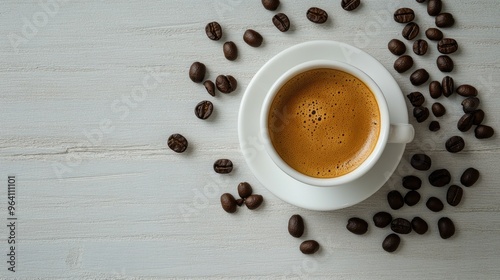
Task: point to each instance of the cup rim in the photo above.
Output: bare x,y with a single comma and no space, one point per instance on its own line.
368,163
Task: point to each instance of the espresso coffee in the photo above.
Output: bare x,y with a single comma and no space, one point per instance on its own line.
324,123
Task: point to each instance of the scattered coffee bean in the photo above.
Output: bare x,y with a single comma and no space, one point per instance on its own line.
197,72
210,87
454,195
316,15
465,122
435,89
296,226
421,162
444,20
223,166
309,247
230,50
421,1
395,200
434,34
447,46
419,77
252,38
254,201
403,63
281,22
404,15
244,189
421,113
410,31
448,86
440,178
357,226
350,5
455,144
438,109
412,198
469,177
400,225
240,201
444,63
416,98
419,225
420,47
478,117
434,126
412,182
213,31
271,5
226,84
434,204
177,143
483,131
382,219
434,7
228,203
470,104
396,47
204,109
466,90
446,228
391,242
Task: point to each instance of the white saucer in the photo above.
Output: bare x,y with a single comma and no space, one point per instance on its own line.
270,175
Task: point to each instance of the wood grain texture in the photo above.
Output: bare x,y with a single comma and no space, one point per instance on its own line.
90,91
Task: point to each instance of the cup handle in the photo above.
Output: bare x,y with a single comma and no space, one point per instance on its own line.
401,133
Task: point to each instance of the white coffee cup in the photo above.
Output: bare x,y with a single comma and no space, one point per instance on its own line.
389,132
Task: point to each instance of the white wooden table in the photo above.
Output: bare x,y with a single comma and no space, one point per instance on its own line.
90,91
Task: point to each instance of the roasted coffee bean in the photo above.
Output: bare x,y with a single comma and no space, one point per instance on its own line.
440,178
454,195
447,46
444,63
197,72
228,203
357,226
412,198
395,200
434,204
455,144
350,5
296,226
223,166
421,162
204,109
434,34
391,242
410,31
226,84
419,225
177,143
210,87
230,50
435,89
403,63
444,20
400,225
244,189
434,7
412,182
483,131
419,77
466,90
271,5
316,15
416,98
213,31
469,177
281,22
434,126
382,219
396,47
420,47
420,113
240,201
446,228
465,122
470,104
252,38
254,201
448,86
438,109
478,117
309,247
421,1
404,15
